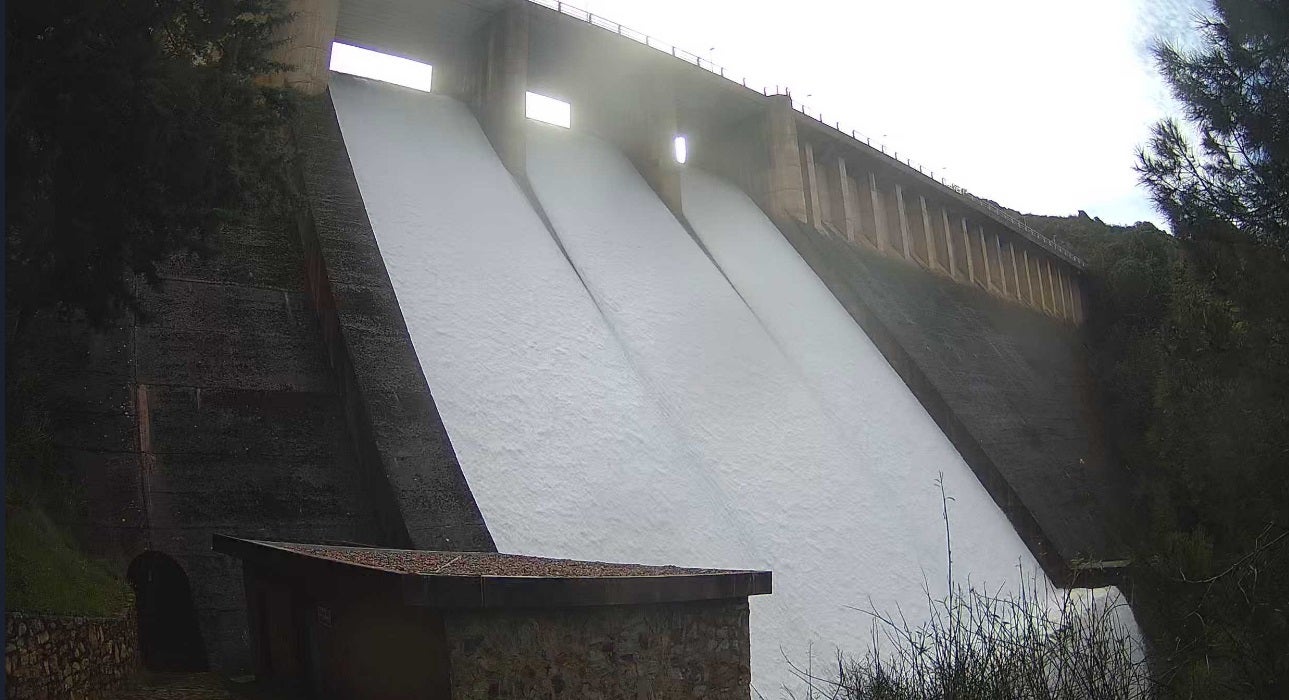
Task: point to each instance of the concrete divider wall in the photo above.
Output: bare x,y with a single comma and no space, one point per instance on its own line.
403,448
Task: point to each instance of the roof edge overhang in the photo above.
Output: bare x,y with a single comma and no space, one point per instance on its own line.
444,591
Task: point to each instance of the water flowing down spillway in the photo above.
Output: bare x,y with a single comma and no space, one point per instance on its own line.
614,393
563,447
890,433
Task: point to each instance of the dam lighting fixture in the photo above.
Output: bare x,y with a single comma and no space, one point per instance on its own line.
366,63
682,151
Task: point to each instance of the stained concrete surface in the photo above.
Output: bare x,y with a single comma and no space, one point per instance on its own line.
1008,384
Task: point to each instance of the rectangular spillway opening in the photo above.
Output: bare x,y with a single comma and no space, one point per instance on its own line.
548,110
366,63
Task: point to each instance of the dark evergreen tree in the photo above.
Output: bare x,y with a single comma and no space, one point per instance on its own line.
1235,92
1189,339
133,129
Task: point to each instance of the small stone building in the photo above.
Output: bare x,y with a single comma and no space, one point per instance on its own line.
375,624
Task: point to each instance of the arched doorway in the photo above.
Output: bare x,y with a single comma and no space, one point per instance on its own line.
169,637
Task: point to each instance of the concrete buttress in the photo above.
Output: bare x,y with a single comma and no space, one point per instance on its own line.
812,184
984,256
931,261
502,73
651,148
306,45
948,243
849,208
784,193
1011,248
904,222
881,228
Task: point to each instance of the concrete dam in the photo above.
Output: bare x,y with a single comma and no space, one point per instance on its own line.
487,332
633,402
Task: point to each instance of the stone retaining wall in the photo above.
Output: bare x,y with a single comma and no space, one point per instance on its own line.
611,652
47,656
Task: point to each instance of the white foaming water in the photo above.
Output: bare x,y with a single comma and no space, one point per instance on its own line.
888,430
563,449
665,416
820,446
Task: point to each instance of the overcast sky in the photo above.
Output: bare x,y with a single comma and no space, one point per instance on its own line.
1037,104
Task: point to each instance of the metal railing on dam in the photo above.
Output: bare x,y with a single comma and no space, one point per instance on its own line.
707,64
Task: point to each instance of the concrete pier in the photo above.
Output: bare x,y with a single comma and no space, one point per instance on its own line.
306,45
881,222
948,243
1041,284
502,75
650,140
905,239
932,261
1051,289
1002,268
1011,248
812,184
784,194
984,255
1029,281
849,205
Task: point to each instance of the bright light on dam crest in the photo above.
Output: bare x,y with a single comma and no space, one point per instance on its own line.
366,63
548,109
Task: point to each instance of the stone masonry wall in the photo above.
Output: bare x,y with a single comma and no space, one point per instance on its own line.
47,657
670,650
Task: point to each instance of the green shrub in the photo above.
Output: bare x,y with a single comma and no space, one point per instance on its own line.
45,572
1037,644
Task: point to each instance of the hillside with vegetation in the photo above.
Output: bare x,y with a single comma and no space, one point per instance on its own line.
1188,337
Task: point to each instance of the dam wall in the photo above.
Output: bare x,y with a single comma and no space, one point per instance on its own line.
617,388
809,176
1009,388
218,412
563,445
264,389
483,333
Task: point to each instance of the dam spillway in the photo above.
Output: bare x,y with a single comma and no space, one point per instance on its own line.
618,389
564,342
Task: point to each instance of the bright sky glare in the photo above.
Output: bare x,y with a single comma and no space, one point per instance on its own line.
370,64
1038,105
548,109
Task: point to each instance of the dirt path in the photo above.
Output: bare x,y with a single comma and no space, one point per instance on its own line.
191,686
